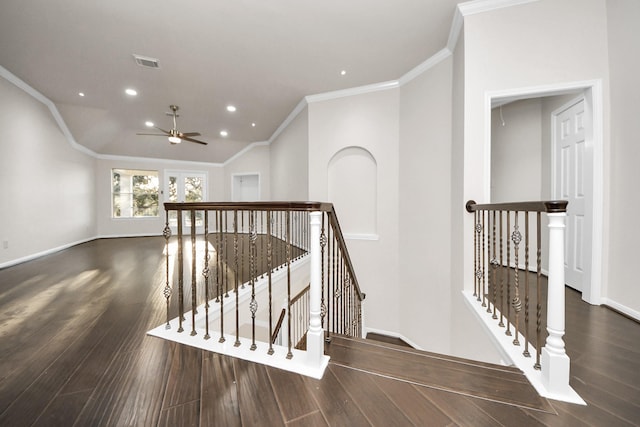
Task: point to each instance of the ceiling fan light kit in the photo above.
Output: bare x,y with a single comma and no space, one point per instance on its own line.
174,136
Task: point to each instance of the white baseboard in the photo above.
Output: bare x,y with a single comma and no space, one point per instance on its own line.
124,236
36,255
392,335
31,257
621,308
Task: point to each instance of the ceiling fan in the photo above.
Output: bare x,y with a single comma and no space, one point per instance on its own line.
174,136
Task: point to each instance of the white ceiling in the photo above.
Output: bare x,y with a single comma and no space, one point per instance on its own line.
263,56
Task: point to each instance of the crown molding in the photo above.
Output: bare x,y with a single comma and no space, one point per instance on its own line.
244,150
12,78
292,115
455,30
375,87
426,65
123,158
481,6
472,8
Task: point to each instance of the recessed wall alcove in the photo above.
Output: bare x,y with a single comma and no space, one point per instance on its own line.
352,188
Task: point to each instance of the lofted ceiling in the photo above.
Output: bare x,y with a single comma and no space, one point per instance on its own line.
262,56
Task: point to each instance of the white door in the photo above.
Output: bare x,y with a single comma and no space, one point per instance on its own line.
573,183
246,188
184,186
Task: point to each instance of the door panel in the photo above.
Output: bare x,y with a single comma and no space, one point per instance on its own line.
573,185
183,186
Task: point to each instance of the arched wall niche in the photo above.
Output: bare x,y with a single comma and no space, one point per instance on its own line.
352,188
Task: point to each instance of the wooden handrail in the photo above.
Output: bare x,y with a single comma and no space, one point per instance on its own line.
550,206
276,330
265,206
279,206
343,246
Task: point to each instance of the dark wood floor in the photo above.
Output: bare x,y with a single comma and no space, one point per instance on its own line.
73,351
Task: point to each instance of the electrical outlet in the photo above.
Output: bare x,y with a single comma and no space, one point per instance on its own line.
5,244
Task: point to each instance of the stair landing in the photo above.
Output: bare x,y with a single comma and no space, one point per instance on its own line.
502,384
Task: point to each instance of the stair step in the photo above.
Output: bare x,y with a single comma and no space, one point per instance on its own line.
467,377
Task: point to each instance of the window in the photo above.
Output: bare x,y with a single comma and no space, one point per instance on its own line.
134,193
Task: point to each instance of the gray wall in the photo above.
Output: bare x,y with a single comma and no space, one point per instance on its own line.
289,157
47,186
624,59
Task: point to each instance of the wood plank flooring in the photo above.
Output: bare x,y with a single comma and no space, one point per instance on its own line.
73,351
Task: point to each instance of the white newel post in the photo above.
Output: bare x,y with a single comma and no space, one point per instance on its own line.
315,334
554,360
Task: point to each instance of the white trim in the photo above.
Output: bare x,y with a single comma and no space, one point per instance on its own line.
481,6
243,151
121,158
392,335
44,253
126,236
375,87
514,353
455,30
425,66
241,174
621,308
592,90
12,78
472,8
292,115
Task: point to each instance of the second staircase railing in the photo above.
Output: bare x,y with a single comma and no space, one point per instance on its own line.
231,261
513,291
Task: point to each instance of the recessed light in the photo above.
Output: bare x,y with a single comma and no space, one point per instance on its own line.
343,72
148,124
131,92
253,125
224,133
231,108
80,93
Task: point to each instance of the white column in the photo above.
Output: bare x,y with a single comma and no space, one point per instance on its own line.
554,360
315,335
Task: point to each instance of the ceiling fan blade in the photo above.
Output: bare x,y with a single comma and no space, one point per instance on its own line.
151,134
162,130
186,138
188,134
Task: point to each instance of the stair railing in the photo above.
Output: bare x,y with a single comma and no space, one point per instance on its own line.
245,246
503,235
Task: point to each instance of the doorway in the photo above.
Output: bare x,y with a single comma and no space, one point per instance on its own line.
572,181
185,186
586,251
245,187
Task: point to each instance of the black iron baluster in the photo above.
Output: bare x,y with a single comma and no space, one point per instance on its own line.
501,274
253,305
516,238
508,301
180,274
269,254
205,273
288,257
194,277
235,276
167,287
526,285
538,293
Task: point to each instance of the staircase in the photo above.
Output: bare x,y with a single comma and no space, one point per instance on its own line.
497,383
370,383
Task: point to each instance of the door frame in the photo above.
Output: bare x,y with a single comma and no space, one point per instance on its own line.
554,165
181,172
235,176
592,91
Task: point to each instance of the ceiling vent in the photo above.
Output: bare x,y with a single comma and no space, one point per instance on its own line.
145,61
